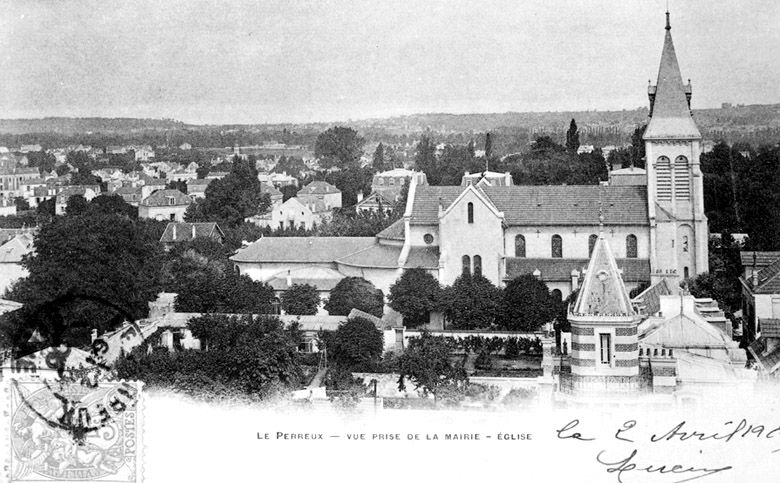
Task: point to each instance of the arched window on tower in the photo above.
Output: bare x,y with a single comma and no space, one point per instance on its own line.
631,251
663,179
682,179
477,265
557,246
470,209
520,246
591,243
466,261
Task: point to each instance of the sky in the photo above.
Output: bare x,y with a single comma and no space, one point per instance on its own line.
326,60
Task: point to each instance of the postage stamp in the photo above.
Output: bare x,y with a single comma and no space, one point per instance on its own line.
61,431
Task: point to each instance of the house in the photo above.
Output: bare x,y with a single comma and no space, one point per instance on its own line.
182,175
164,204
320,277
216,174
760,290
196,188
13,176
87,191
30,148
7,207
182,232
131,194
11,253
390,184
278,180
376,202
294,213
321,191
143,153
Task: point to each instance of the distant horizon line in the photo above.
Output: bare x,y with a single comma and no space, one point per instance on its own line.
363,119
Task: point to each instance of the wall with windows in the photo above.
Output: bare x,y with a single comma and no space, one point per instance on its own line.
480,239
576,242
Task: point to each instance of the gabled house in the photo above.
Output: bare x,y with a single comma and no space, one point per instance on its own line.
87,191
329,195
164,205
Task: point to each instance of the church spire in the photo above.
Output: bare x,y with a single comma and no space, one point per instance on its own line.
668,25
670,113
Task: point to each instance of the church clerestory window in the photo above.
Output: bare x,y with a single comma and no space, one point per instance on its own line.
631,248
466,262
557,246
470,212
520,246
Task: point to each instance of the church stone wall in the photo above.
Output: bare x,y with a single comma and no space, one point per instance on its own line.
538,240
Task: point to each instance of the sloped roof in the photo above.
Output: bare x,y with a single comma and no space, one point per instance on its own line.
75,190
559,269
269,188
375,255
769,361
770,327
603,292
160,198
183,231
682,331
762,258
544,205
695,368
649,301
199,182
423,257
318,188
302,249
396,231
671,115
375,198
14,249
768,279
321,277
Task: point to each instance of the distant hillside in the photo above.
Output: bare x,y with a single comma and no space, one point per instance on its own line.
73,125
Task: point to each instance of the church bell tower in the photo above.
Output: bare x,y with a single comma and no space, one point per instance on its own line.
678,226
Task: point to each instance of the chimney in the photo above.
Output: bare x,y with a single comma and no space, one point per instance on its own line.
755,278
289,279
174,231
537,274
575,280
193,230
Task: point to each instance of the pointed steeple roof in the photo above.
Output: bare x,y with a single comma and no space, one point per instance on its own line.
671,114
603,292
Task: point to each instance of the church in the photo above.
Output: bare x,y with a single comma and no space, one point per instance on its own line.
652,219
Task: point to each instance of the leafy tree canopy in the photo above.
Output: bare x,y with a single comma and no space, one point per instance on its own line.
527,304
427,363
355,344
355,293
471,302
415,295
301,299
339,147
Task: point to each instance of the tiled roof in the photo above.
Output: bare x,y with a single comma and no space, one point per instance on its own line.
762,258
393,232
770,327
269,188
318,188
671,114
68,191
603,292
769,361
374,198
559,269
160,198
768,279
302,249
375,255
423,257
545,205
128,190
183,231
203,182
18,246
649,301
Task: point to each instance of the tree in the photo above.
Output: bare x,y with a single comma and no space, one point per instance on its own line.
527,304
427,363
88,271
355,293
379,158
231,199
572,137
415,295
42,160
339,147
250,357
21,203
425,160
288,192
76,205
114,205
356,344
488,145
300,299
471,302
177,185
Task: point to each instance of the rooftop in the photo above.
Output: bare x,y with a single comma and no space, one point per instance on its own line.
302,249
318,188
163,197
181,232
